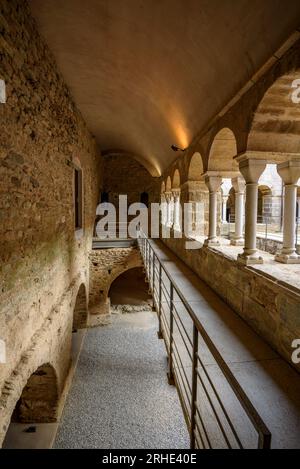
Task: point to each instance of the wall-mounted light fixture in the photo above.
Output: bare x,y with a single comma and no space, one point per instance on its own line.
175,148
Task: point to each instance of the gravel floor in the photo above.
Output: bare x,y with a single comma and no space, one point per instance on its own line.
120,397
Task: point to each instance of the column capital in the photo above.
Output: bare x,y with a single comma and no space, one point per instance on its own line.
289,171
226,186
168,196
213,182
251,169
238,183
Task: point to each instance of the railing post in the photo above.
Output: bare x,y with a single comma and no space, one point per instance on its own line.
149,269
146,260
264,441
159,332
194,387
170,373
153,279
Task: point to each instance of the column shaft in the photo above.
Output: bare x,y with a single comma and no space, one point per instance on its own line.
288,253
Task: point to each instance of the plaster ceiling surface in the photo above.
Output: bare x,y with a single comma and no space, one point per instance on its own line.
146,74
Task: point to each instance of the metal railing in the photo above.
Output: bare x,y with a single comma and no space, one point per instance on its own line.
217,411
267,228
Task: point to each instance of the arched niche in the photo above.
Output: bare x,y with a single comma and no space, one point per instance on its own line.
176,180
222,152
195,169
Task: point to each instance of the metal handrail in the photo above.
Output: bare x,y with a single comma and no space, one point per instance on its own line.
151,261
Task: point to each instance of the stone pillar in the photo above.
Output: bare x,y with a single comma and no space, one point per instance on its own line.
176,218
238,184
213,183
224,208
170,209
194,204
289,171
226,186
251,170
163,209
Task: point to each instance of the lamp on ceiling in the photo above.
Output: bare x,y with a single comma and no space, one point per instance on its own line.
175,148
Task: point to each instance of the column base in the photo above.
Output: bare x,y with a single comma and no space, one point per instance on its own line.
237,241
249,259
288,258
211,242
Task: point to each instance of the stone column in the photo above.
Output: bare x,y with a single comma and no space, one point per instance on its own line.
170,207
238,184
224,208
176,220
226,186
289,171
251,169
163,209
213,183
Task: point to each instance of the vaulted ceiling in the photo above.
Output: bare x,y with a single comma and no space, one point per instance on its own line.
146,74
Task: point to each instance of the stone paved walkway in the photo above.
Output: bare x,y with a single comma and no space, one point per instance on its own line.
120,397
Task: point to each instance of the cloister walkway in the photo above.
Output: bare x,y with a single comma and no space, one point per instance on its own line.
120,397
270,383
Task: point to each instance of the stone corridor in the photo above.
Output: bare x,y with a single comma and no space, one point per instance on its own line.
149,224
120,397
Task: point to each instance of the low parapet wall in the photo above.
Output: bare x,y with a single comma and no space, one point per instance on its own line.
270,308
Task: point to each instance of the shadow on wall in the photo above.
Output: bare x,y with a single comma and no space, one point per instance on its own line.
130,288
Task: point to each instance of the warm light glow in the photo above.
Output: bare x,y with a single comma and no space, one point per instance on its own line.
178,127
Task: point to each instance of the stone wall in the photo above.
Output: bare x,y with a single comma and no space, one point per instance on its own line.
43,260
105,266
269,308
125,175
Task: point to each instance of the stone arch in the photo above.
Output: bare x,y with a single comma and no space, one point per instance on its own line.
39,398
230,206
195,168
117,274
176,180
168,184
132,279
275,126
222,151
80,314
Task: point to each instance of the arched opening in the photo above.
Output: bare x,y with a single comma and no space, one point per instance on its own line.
264,204
168,184
230,209
222,152
176,180
37,405
130,289
80,310
195,167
